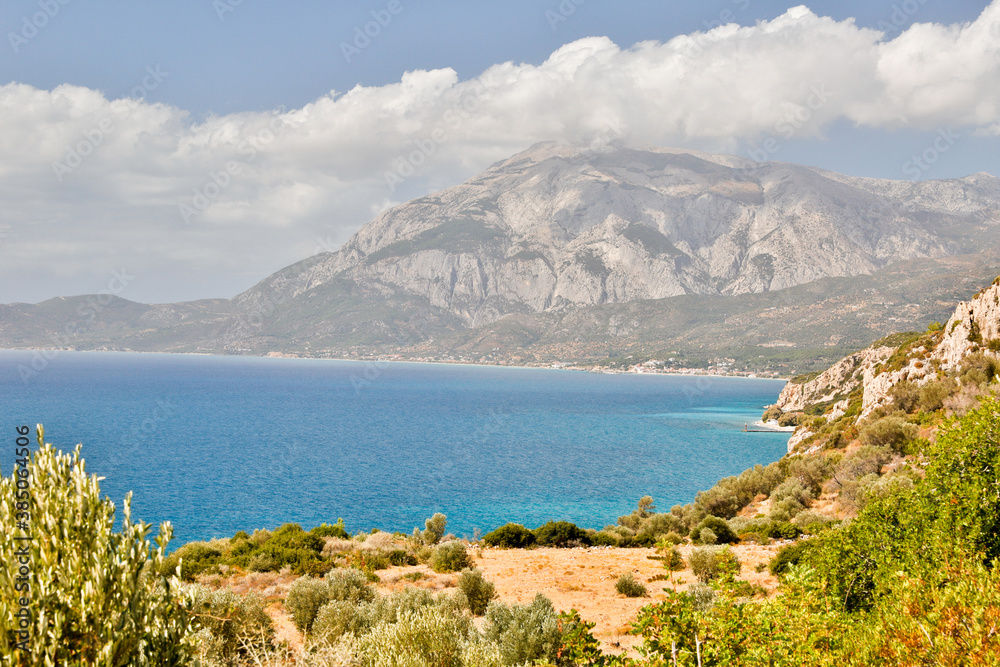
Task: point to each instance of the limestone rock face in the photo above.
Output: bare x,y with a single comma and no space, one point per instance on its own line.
556,227
975,327
840,379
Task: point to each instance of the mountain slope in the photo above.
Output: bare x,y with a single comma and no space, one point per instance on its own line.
556,227
566,254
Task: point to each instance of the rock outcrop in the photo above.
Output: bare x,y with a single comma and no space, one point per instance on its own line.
974,328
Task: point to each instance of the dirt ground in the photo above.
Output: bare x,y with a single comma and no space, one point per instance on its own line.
582,579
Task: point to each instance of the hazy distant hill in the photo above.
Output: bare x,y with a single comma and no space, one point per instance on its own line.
566,253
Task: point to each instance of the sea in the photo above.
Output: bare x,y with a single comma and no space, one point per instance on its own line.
217,444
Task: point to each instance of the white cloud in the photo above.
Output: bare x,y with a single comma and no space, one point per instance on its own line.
311,176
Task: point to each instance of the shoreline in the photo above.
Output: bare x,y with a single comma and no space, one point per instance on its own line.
694,373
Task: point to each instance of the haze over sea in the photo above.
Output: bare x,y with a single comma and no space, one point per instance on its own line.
220,444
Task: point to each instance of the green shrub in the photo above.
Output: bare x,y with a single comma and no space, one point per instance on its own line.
710,563
525,634
336,530
892,432
789,555
431,636
337,618
350,585
561,534
605,538
434,528
233,626
718,527
241,535
782,530
509,536
193,559
673,560
95,592
629,587
450,557
477,589
305,597
401,557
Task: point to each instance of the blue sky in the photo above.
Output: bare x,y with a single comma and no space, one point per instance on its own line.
227,66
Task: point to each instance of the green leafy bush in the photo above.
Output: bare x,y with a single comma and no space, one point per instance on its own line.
477,589
789,555
336,530
892,432
710,563
96,595
719,528
450,557
193,558
629,587
305,597
434,528
509,536
525,634
431,636
233,626
561,534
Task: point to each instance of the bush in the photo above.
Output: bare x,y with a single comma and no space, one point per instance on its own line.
336,530
431,636
434,528
349,585
193,559
561,534
710,563
477,590
892,432
288,546
88,600
629,587
673,560
525,634
605,538
719,527
450,557
233,626
401,557
788,555
338,618
509,536
305,597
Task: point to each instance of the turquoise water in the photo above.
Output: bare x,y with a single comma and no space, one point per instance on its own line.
220,444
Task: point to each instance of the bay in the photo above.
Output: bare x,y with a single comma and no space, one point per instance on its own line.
220,444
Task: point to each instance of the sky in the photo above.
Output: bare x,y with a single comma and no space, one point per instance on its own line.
168,151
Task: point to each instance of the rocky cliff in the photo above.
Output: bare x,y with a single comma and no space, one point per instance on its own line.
866,381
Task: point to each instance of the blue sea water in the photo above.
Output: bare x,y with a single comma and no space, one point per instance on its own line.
220,444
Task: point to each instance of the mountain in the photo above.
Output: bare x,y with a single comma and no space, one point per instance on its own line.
562,253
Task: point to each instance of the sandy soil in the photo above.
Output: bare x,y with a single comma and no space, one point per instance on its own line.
582,579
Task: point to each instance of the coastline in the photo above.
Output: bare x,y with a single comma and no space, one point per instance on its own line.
380,359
